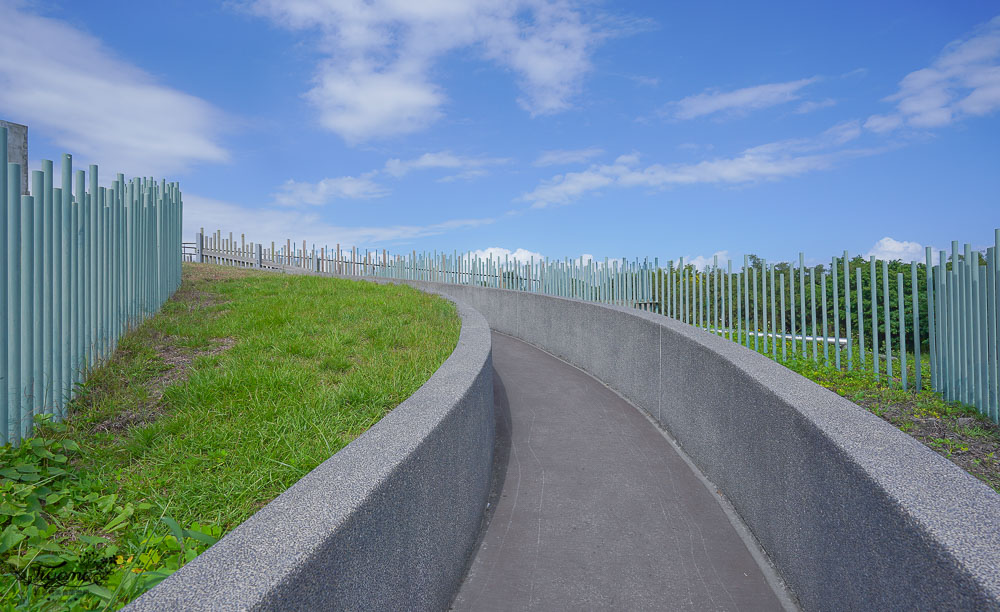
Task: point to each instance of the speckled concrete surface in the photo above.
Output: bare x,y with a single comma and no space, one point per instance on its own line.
388,523
855,514
598,511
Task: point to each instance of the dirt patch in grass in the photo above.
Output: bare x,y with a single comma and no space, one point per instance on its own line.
177,361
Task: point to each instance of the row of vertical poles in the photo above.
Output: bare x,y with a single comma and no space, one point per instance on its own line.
852,314
83,264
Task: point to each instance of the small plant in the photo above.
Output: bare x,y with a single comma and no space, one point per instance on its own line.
48,559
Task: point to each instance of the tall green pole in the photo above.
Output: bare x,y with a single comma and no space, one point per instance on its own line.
65,292
37,388
13,321
812,310
861,319
49,340
802,299
784,343
4,363
836,313
847,312
902,329
888,321
915,308
27,315
874,308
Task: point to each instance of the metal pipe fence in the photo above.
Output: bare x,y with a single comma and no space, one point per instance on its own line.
83,264
938,327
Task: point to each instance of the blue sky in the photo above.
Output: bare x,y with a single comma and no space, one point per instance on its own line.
559,128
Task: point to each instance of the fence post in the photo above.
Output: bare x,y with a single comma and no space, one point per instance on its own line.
258,257
200,247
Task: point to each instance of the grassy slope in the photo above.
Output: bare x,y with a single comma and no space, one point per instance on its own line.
313,363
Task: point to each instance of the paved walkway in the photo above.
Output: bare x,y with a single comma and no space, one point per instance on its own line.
597,510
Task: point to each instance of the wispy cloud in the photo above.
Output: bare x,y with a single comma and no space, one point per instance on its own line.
737,101
266,224
471,166
814,105
964,81
67,85
564,157
765,162
376,78
363,187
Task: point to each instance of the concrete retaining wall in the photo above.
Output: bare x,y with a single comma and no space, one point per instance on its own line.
388,523
855,514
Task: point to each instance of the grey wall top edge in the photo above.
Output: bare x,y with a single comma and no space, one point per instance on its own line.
388,522
854,513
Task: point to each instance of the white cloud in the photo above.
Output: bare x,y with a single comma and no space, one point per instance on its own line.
770,161
294,193
472,167
375,80
562,157
522,256
279,224
739,100
67,85
891,249
964,81
700,262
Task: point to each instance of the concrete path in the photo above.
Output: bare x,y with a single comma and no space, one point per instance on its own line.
597,509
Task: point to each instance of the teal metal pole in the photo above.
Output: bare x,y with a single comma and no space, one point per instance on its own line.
739,307
13,303
836,313
992,319
730,295
812,310
826,339
27,315
874,308
37,388
763,299
888,321
931,323
915,308
847,312
774,322
784,343
791,301
66,288
802,298
861,319
983,336
5,434
902,330
756,328
49,341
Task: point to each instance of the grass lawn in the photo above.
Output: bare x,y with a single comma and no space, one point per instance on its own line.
241,385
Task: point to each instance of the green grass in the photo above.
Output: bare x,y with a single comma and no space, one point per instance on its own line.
314,362
243,383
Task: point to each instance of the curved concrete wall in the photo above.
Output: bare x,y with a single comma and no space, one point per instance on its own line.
855,514
387,523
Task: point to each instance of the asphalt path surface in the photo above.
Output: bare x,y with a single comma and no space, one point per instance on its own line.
597,510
